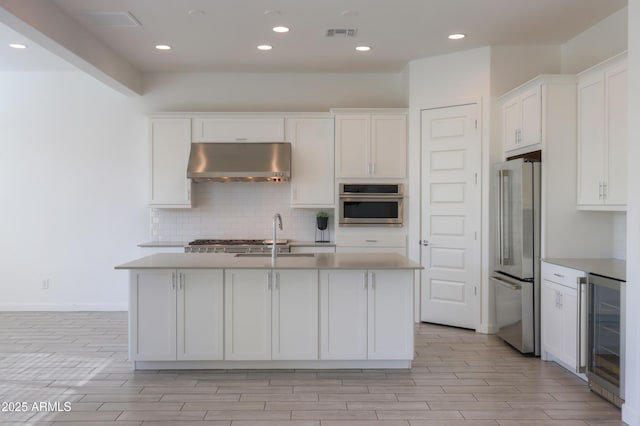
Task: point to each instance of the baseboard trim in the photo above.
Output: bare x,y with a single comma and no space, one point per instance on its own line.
630,415
63,308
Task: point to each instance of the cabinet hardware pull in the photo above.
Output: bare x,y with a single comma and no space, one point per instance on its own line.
364,280
373,280
371,241
558,275
241,139
269,281
173,281
181,280
277,280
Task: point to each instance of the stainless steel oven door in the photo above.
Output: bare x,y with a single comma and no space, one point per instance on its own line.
514,312
373,211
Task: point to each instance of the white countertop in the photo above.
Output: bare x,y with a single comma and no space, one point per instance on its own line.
230,261
610,268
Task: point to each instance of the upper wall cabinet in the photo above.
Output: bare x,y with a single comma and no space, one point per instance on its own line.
169,145
522,117
312,177
219,129
371,145
602,136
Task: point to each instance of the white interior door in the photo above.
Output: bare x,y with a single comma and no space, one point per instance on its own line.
451,206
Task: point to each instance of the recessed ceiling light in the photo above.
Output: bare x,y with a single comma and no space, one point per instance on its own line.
457,36
196,12
18,46
281,29
363,48
163,47
272,12
265,47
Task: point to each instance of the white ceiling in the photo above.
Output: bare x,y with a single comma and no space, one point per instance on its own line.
225,37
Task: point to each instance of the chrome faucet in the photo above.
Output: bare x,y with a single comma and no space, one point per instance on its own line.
277,219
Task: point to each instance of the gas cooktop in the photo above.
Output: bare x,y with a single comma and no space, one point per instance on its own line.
235,246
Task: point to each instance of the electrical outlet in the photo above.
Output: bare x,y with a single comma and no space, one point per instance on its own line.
45,284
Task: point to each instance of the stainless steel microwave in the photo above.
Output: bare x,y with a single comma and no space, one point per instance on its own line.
371,204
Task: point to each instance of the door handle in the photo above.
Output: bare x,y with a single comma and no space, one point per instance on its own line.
423,242
580,366
506,284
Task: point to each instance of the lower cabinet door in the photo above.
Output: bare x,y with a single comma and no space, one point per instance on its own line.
343,314
559,322
247,314
152,315
295,315
200,315
390,314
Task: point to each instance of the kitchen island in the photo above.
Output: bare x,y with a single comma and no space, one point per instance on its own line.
323,310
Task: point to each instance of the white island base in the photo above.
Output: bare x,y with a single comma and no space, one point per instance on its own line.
194,311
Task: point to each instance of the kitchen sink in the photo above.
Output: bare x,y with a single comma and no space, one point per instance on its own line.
279,255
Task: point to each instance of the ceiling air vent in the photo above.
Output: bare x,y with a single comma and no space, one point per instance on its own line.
348,32
112,19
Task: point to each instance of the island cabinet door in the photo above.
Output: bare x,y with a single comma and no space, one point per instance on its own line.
200,315
390,315
152,315
295,315
247,316
343,314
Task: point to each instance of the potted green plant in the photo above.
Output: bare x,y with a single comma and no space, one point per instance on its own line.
322,220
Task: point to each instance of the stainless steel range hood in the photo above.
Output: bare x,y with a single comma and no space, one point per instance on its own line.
240,162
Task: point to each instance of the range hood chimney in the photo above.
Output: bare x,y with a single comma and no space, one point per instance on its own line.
240,162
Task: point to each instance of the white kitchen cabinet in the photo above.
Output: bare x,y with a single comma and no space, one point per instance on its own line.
176,315
169,146
312,159
271,315
522,117
247,314
295,315
366,315
343,315
371,243
563,316
238,129
371,145
390,312
602,136
200,317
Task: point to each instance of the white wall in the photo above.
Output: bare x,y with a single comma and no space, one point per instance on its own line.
603,40
272,91
75,175
73,172
631,408
598,43
236,210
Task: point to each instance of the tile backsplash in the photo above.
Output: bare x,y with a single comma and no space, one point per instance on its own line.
236,210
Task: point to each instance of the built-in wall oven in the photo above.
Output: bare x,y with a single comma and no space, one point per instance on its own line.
606,334
370,204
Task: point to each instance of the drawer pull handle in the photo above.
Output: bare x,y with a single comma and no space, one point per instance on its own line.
558,275
371,241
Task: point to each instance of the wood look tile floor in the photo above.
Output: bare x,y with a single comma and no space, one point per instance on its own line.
458,378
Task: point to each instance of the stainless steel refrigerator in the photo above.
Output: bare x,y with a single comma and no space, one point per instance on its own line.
516,243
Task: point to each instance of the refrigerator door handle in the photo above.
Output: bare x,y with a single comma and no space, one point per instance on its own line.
504,225
506,284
